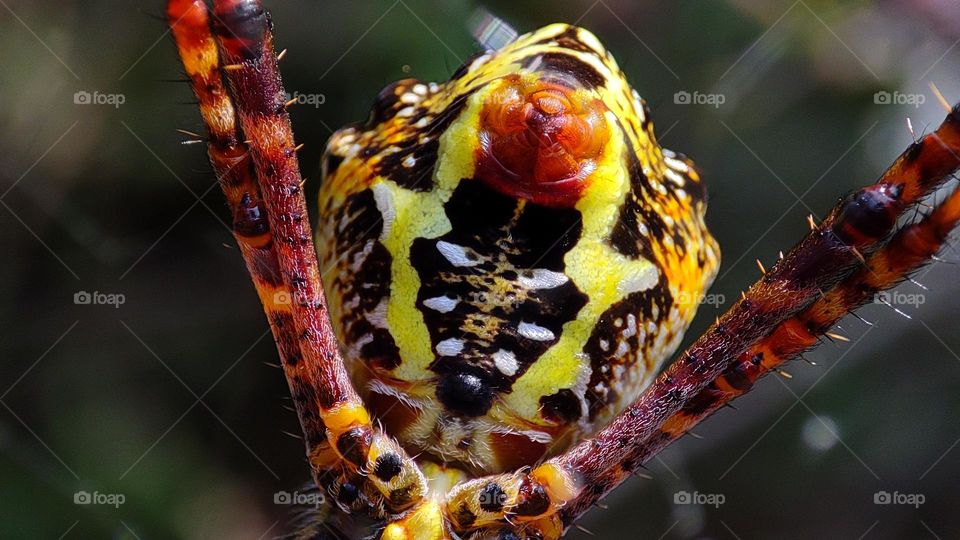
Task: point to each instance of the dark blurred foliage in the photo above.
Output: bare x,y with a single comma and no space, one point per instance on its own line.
167,400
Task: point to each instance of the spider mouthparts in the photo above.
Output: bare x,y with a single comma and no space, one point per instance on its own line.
540,140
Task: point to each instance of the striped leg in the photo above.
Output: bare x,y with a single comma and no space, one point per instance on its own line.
785,312
272,228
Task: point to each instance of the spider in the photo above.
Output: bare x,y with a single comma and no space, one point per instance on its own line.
514,256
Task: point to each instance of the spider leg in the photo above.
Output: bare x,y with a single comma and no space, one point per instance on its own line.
847,255
909,249
362,467
230,158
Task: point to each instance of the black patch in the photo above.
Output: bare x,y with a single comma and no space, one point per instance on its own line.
419,177
463,516
354,445
246,25
626,237
348,493
705,400
567,64
568,39
508,241
387,102
388,466
370,284
600,393
331,162
492,497
465,393
533,499
737,376
562,407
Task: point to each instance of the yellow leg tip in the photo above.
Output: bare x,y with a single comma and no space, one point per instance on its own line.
343,416
424,523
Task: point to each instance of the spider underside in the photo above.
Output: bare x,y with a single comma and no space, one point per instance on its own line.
369,477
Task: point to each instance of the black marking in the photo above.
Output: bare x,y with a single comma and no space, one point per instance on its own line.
566,64
419,177
625,236
561,408
388,466
492,497
354,445
245,25
507,237
467,394
601,394
387,102
370,284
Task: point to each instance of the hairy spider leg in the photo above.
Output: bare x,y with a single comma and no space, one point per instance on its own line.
273,231
553,495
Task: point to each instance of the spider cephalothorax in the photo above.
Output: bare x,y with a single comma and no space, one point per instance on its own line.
512,256
493,291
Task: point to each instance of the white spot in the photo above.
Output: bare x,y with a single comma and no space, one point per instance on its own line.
409,161
443,304
378,317
622,350
543,279
604,345
643,280
631,329
457,255
642,227
422,123
384,199
450,347
406,112
409,99
506,362
675,163
534,332
675,177
420,89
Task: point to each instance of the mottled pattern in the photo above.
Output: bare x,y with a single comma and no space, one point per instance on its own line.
497,320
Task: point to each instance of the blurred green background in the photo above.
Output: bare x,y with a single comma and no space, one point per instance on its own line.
167,401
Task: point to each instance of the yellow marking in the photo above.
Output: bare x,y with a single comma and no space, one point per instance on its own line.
343,416
421,215
562,365
559,485
424,523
